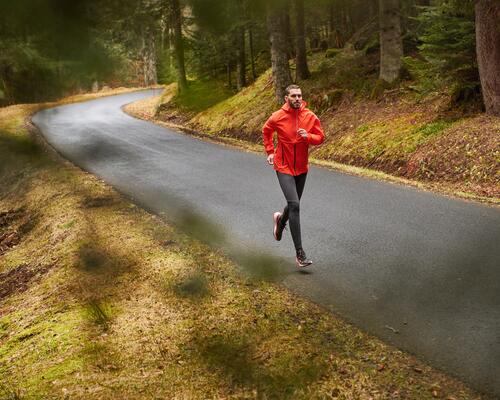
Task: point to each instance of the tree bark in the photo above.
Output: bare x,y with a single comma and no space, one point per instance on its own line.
289,36
488,52
302,70
179,45
331,25
167,49
277,15
391,43
241,59
250,46
148,51
228,74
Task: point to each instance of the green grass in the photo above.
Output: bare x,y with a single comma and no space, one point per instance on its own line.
431,129
201,95
391,140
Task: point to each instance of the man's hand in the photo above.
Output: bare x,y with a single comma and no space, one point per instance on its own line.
270,159
302,132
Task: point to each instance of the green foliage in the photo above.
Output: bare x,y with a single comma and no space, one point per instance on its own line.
349,71
201,95
50,48
431,129
330,53
213,44
448,48
98,312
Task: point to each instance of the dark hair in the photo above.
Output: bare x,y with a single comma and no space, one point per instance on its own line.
290,87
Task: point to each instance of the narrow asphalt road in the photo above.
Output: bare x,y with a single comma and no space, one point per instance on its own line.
387,258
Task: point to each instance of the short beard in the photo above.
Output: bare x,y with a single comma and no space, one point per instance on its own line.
292,105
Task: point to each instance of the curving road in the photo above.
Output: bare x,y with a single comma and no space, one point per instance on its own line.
387,258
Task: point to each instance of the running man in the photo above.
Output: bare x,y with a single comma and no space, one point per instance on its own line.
296,128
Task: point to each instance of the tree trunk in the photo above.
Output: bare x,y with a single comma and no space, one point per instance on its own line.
179,45
391,43
348,19
171,49
331,25
250,45
163,30
149,58
277,15
4,92
302,71
488,52
241,61
289,36
228,71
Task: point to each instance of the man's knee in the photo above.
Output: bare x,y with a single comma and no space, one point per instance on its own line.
293,206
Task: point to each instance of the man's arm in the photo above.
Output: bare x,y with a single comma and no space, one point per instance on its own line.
267,133
316,135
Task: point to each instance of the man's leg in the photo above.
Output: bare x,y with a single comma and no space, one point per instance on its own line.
300,181
291,212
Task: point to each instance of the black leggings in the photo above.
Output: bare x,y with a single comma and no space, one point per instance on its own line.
292,187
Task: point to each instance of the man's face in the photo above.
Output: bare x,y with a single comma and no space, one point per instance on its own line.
294,99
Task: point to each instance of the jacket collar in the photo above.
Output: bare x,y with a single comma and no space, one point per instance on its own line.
287,108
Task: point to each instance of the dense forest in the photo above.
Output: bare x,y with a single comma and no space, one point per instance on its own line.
51,48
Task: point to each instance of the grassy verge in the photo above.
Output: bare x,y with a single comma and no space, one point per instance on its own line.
99,299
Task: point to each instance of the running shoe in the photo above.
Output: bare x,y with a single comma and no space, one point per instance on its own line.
302,260
278,229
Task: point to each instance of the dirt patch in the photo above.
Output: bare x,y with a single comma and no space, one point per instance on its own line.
96,202
169,113
9,237
17,279
14,224
8,217
254,137
8,240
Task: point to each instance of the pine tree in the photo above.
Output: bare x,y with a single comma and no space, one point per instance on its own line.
178,44
277,15
302,69
488,52
391,45
448,47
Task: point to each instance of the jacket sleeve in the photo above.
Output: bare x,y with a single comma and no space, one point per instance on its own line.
316,135
267,132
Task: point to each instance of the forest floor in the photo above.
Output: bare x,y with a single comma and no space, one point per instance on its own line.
397,134
101,300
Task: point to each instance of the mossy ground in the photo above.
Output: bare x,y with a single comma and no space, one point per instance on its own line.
369,125
127,306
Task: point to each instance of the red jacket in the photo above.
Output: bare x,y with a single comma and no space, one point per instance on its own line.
292,151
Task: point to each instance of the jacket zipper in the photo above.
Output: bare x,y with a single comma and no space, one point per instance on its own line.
295,144
294,151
